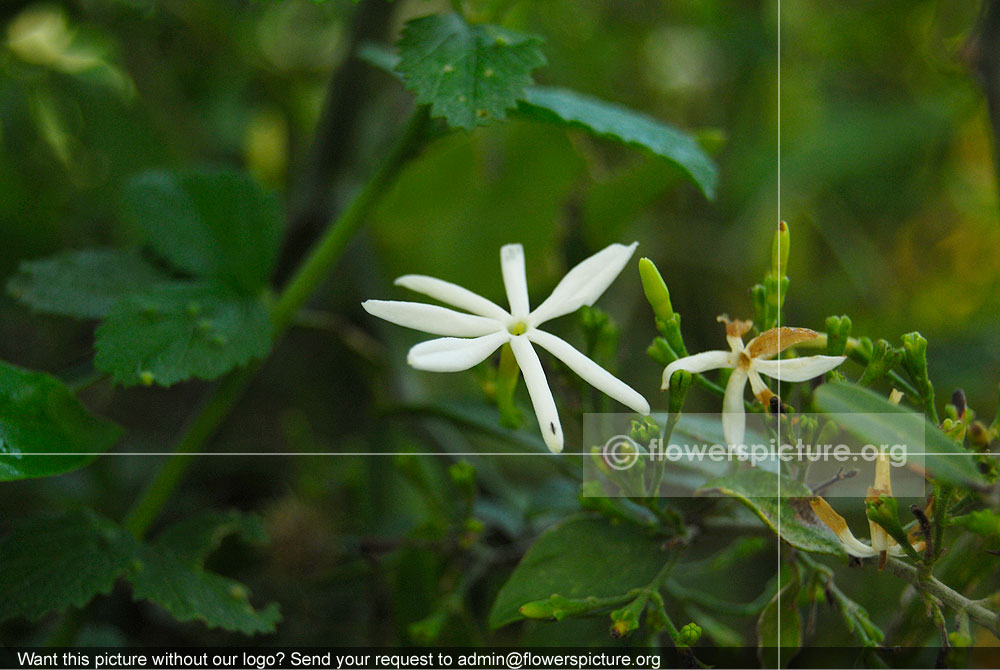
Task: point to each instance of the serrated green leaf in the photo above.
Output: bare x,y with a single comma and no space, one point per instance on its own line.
579,557
83,284
469,74
194,538
49,564
938,455
779,627
180,330
218,225
605,119
790,513
39,418
172,575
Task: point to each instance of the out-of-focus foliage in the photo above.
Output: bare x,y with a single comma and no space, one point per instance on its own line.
886,176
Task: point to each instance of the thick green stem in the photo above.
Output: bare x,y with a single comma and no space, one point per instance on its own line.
312,272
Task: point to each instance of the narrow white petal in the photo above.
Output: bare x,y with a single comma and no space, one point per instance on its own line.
797,369
589,371
734,418
538,390
707,360
452,354
585,283
454,295
514,280
432,318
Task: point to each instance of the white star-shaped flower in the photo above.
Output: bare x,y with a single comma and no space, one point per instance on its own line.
472,336
748,363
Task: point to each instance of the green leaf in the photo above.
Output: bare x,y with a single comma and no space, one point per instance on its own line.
580,557
470,75
181,330
780,626
873,423
44,430
981,522
797,524
619,123
209,224
84,283
172,575
52,563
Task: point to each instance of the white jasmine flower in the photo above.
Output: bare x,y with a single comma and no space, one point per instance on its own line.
748,363
472,336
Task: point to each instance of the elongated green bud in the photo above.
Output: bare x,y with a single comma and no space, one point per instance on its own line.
779,250
655,289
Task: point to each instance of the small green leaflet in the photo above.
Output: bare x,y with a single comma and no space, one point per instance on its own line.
790,514
565,107
579,557
218,225
40,416
469,74
49,564
83,284
180,330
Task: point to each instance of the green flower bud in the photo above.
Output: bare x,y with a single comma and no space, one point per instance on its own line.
655,289
780,246
689,634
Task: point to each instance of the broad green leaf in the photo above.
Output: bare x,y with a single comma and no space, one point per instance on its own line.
788,515
779,627
84,283
171,573
49,564
469,74
44,430
619,123
209,224
180,330
579,557
941,457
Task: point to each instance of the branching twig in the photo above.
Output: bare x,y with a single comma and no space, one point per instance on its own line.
932,587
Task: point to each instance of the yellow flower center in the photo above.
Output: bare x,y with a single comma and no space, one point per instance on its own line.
518,328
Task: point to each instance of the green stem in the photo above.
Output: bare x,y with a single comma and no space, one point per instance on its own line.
312,272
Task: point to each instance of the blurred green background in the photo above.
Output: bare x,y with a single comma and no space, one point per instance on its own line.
887,181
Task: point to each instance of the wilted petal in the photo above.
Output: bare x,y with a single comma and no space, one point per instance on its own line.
585,283
797,369
454,295
836,523
734,420
538,391
776,340
708,360
759,388
589,371
432,318
514,280
453,354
